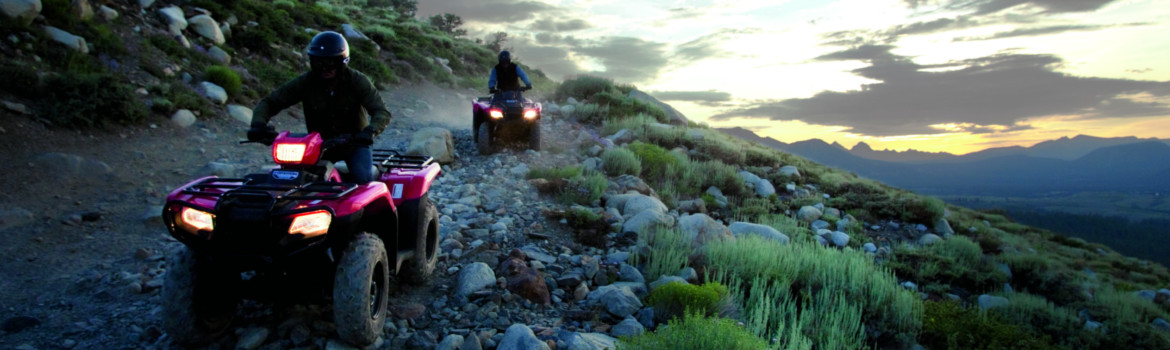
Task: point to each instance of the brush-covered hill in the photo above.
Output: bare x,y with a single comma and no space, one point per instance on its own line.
640,233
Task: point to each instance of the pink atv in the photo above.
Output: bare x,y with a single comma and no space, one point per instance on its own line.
299,233
506,116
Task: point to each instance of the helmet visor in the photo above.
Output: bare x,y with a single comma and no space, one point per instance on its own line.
325,64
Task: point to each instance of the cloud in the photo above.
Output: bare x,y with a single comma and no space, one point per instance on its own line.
710,45
998,90
983,7
548,25
496,11
626,59
709,97
1023,32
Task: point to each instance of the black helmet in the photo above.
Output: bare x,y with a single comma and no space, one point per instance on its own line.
505,57
328,44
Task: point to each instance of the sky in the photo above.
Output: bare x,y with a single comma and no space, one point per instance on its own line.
952,76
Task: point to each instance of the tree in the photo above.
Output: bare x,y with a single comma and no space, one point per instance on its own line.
405,7
496,41
448,23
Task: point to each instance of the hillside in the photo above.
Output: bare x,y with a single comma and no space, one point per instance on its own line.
621,224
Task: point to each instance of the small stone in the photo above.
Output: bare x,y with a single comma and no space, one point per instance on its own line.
252,338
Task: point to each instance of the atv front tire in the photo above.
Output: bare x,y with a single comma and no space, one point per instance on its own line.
197,304
483,140
534,136
361,288
419,269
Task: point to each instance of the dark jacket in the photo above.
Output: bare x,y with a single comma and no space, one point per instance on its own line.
342,112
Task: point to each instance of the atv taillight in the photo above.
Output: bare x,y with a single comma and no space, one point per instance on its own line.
310,224
198,220
529,114
496,114
289,152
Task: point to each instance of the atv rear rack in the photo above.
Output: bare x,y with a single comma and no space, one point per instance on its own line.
392,159
309,191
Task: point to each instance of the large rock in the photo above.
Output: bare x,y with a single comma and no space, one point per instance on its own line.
81,9
24,11
746,228
764,188
618,301
520,337
675,117
627,182
145,3
646,220
352,33
108,13
943,228
929,239
808,214
627,328
789,171
840,239
174,18
629,273
451,342
991,301
183,118
219,55
720,199
472,278
213,92
207,27
524,281
240,113
590,341
433,142
640,203
701,229
68,39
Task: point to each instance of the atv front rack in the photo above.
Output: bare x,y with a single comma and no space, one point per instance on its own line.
392,159
310,191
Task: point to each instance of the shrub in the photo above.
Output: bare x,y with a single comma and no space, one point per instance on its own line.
554,173
88,100
18,79
722,149
584,189
754,207
583,87
589,113
721,175
619,161
669,252
676,299
590,228
622,106
224,77
946,325
655,160
957,261
694,332
365,59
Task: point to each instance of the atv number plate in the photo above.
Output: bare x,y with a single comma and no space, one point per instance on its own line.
510,101
397,191
285,175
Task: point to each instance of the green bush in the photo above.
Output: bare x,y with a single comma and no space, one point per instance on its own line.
589,227
584,189
946,325
589,113
365,59
655,160
583,87
669,252
621,106
90,100
18,79
621,161
554,173
694,332
957,261
723,149
224,77
675,299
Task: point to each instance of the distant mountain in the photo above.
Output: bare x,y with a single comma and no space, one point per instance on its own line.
748,135
862,149
1116,164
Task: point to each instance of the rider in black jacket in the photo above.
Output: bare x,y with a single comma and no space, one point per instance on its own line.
507,75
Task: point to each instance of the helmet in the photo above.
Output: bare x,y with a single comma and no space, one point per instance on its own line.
505,57
328,44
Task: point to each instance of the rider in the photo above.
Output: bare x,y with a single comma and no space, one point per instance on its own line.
508,75
336,100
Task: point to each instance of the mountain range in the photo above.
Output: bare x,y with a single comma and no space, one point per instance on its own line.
1081,163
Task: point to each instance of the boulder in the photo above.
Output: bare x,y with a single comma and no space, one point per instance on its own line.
664,280
693,206
701,229
473,278
627,328
352,33
520,337
869,248
183,118
764,188
522,280
720,199
627,182
74,42
789,171
1161,325
840,239
219,55
174,18
929,239
629,273
943,228
745,228
108,13
81,9
207,27
620,302
808,214
991,301
240,113
213,92
673,115
590,341
451,342
24,11
145,3
646,220
433,142
640,203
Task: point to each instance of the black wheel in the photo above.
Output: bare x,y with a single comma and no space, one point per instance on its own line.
361,289
418,270
483,141
197,303
534,136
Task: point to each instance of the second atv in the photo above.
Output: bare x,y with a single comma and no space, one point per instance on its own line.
506,116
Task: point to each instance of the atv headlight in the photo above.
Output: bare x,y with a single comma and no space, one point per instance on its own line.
289,152
197,220
496,114
310,224
530,114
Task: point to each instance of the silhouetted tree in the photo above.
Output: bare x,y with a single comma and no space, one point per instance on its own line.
496,41
448,23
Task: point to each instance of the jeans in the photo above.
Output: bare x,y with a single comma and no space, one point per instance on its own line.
359,160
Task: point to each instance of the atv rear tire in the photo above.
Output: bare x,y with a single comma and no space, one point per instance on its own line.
419,269
197,304
484,139
534,136
361,288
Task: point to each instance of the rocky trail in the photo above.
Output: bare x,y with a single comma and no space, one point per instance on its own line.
84,247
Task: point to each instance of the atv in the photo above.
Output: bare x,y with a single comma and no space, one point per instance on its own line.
299,233
505,116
